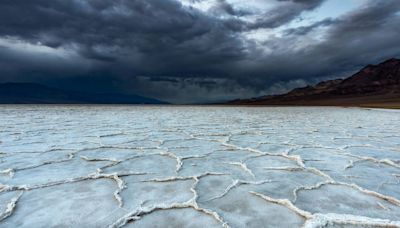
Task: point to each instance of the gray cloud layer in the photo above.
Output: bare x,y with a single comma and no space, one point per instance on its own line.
164,49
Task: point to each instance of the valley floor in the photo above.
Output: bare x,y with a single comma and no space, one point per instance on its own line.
200,166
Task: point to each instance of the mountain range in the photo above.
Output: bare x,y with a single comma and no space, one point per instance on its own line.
373,86
32,93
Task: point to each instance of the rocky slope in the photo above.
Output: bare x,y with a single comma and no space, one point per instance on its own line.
372,86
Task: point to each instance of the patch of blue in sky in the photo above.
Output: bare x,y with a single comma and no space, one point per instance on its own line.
329,9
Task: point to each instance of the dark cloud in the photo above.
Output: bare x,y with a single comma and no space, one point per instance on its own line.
169,50
223,7
142,37
285,13
304,30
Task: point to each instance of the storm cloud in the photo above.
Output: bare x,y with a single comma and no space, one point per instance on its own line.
191,50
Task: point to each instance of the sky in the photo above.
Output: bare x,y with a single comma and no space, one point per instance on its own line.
193,51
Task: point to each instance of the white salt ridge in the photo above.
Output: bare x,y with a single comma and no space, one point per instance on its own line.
10,207
208,166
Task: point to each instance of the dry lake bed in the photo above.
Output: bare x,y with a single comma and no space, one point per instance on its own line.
183,166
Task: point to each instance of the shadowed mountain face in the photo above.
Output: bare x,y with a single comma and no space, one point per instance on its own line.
31,93
373,85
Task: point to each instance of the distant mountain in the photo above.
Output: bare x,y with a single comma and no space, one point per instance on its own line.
32,93
374,85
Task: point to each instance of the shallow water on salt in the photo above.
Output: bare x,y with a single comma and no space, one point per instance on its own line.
171,166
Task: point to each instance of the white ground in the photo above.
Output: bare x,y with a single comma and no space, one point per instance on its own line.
136,166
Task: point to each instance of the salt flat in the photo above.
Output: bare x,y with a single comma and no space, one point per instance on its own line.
171,166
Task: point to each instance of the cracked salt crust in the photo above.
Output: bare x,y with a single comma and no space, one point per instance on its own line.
198,167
